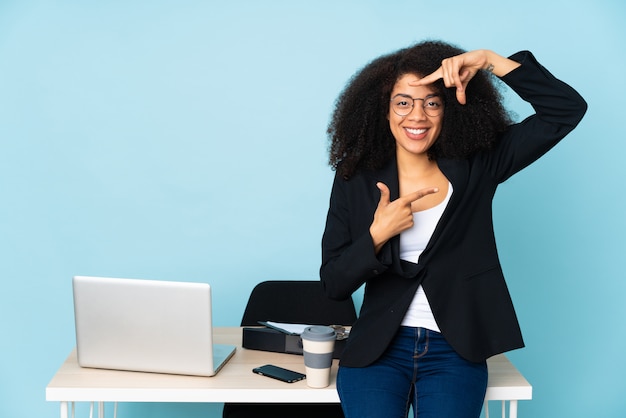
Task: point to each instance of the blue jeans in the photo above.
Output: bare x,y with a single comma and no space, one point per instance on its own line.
420,369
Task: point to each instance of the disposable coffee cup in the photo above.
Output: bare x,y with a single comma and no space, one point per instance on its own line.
318,344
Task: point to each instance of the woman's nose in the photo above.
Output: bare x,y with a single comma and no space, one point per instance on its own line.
417,112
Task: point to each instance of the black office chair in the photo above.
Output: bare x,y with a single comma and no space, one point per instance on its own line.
298,302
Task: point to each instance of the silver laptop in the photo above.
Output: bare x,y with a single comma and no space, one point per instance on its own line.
147,326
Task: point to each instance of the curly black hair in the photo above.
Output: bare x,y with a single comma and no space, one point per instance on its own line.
359,133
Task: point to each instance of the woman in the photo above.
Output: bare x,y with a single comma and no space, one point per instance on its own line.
420,141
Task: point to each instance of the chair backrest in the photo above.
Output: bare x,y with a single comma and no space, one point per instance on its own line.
297,302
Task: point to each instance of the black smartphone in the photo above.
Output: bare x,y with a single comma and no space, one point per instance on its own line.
279,373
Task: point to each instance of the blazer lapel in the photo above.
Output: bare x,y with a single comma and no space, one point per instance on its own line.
389,176
457,173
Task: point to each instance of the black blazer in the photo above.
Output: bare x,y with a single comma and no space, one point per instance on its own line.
459,269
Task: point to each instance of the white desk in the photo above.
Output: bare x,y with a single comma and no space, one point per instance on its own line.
235,382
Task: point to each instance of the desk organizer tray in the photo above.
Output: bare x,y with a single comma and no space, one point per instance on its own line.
268,339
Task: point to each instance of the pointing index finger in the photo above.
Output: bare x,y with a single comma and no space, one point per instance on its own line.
429,79
412,197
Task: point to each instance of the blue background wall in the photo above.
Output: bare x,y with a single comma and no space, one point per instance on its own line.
121,156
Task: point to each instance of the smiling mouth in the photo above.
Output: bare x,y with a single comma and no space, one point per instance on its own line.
415,131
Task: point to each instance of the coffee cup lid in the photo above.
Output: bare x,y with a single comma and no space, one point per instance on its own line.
318,333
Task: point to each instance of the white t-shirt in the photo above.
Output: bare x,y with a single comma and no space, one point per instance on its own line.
413,241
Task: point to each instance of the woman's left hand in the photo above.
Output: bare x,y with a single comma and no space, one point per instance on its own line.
457,71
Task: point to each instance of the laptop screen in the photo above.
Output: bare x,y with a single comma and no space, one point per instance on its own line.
144,325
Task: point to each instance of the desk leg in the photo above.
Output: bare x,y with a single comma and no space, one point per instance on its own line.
513,408
64,412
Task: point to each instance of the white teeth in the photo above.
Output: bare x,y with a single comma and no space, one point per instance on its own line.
416,131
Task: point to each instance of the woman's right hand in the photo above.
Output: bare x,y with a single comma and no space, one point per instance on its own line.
391,218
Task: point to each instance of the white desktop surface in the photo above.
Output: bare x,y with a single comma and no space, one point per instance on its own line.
235,382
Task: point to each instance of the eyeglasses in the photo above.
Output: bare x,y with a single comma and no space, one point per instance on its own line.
402,104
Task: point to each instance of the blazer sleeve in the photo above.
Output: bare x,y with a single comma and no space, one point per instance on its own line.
348,259
558,109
